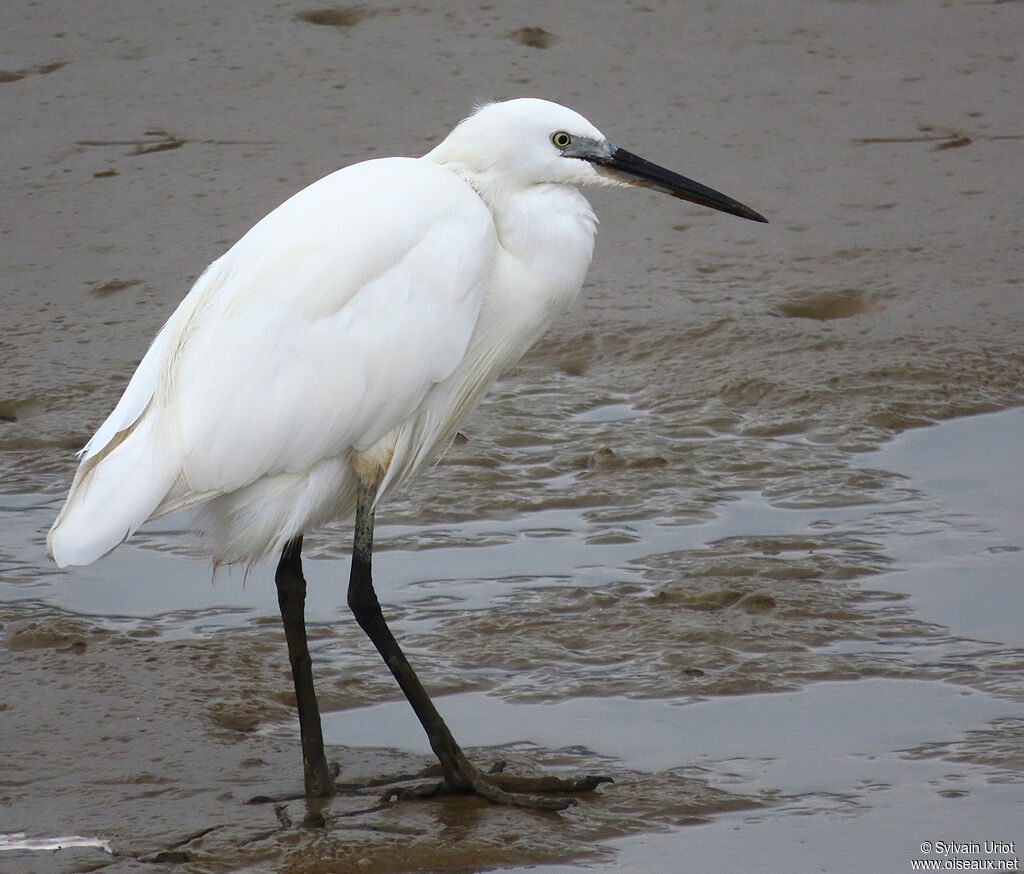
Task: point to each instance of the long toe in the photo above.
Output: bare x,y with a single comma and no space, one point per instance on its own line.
538,793
548,783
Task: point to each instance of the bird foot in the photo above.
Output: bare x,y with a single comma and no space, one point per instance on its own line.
539,793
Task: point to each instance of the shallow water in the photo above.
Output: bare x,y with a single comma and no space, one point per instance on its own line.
744,531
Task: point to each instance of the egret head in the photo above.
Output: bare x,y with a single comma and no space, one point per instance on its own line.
528,141
511,142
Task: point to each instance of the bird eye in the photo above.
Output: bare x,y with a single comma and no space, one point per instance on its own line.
561,139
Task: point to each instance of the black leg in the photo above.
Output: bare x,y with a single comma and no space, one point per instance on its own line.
291,597
362,600
460,776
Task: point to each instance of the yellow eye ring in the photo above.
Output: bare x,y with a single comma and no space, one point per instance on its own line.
561,139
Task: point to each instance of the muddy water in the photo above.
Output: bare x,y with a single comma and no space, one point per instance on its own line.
736,532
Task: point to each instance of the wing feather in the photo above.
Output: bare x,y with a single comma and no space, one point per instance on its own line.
297,357
322,329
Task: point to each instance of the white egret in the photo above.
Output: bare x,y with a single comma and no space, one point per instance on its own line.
331,354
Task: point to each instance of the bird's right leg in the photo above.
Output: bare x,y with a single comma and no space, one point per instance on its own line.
291,597
460,775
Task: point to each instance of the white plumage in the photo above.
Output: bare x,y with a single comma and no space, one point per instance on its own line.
332,353
357,323
367,313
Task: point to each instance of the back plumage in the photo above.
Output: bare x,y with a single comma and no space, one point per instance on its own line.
318,334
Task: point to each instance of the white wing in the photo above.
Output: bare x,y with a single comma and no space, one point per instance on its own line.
322,329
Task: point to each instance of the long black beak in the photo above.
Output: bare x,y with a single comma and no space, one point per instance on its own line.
637,171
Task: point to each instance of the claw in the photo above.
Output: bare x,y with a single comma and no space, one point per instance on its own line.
536,793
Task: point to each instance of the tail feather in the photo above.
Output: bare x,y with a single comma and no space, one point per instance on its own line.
114,492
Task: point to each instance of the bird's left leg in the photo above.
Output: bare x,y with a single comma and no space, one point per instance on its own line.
460,775
291,598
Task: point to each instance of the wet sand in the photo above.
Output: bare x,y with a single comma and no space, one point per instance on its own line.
734,532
